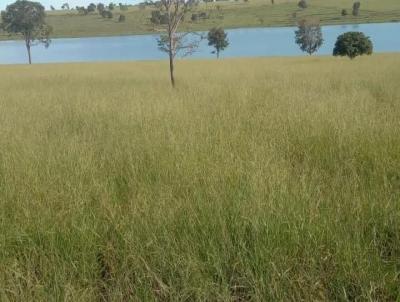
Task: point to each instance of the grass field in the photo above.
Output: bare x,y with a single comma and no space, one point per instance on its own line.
254,180
255,13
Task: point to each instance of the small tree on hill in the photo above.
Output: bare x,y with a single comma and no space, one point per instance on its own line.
52,7
111,6
217,38
344,12
27,19
356,8
100,8
302,4
91,8
82,10
121,18
353,44
309,36
65,6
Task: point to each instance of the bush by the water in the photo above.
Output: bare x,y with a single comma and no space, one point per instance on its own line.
353,44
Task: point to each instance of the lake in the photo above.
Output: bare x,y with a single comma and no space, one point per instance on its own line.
244,42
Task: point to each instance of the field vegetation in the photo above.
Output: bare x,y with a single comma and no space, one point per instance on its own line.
252,180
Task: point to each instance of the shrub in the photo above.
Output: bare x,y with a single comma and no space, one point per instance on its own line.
194,17
123,7
164,19
100,8
353,44
356,8
121,18
155,16
158,18
203,15
302,4
91,8
344,12
106,14
82,10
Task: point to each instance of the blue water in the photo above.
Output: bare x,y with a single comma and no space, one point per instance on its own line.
244,42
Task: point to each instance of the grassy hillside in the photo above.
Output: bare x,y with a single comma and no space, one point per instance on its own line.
228,14
254,180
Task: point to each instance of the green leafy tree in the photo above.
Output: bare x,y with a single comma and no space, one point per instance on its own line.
217,38
111,6
27,18
309,36
353,44
65,6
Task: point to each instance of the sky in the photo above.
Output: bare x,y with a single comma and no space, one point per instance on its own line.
72,3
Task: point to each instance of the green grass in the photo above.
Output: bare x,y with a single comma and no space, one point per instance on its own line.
255,13
254,180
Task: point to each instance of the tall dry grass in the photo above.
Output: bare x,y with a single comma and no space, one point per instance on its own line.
254,180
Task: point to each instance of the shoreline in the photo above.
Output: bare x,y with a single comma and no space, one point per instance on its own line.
4,38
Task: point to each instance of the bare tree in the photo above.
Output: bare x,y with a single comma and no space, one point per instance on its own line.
173,42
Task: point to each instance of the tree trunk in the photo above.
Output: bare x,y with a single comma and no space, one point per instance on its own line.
28,48
217,54
171,60
171,69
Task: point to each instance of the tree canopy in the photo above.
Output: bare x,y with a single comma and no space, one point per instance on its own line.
173,42
27,18
353,44
309,36
217,38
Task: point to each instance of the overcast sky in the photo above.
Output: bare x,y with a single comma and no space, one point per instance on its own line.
72,3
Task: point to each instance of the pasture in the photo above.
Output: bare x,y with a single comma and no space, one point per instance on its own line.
254,180
228,14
